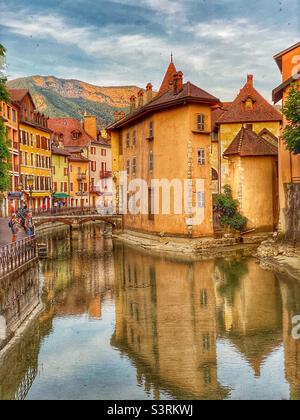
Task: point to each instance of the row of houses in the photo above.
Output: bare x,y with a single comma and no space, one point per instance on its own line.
61,160
183,132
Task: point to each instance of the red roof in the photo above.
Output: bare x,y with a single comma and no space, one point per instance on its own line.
168,78
216,113
190,93
278,57
17,95
60,151
262,110
248,143
66,127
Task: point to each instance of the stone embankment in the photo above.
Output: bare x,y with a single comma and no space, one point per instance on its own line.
280,256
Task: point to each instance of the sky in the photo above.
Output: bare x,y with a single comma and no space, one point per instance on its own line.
215,43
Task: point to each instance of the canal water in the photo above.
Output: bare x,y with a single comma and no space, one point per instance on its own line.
104,322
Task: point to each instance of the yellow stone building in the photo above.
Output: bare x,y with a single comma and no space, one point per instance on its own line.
35,151
167,137
11,198
249,110
60,175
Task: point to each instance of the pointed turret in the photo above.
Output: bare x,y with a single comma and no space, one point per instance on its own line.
168,79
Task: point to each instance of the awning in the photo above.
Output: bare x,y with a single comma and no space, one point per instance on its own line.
13,195
60,195
40,194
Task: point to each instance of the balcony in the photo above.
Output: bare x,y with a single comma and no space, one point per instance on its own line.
105,174
94,189
81,177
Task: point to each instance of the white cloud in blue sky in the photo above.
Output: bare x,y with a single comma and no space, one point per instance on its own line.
122,42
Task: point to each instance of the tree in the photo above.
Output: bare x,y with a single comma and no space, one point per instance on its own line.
227,207
4,151
291,111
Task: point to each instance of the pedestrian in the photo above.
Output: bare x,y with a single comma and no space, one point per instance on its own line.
44,207
29,227
13,225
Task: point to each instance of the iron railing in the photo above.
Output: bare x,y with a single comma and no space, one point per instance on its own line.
16,254
65,212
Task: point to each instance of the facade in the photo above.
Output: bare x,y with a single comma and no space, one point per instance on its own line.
90,162
166,137
11,199
289,164
252,163
60,175
249,110
35,150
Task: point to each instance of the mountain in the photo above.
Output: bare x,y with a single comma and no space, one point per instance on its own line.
72,98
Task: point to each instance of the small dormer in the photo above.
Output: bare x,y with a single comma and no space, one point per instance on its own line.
249,103
76,134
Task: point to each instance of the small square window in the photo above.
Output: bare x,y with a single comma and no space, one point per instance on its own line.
200,200
200,122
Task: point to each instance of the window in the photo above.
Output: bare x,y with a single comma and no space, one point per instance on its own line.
200,200
203,298
134,138
94,166
133,166
127,139
38,142
32,160
103,152
249,127
151,130
120,144
151,161
201,157
249,103
14,115
66,172
206,341
128,167
150,204
55,186
71,186
200,122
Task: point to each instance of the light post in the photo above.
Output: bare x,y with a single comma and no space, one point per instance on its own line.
20,189
30,182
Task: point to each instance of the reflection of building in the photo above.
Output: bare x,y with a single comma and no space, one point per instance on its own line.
167,324
290,291
19,298
250,306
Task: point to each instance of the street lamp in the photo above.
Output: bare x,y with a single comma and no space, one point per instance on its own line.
20,189
30,182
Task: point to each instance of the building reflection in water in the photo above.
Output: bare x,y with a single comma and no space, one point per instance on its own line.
170,315
173,320
19,298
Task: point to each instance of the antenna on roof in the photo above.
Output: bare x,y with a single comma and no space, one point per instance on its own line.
171,57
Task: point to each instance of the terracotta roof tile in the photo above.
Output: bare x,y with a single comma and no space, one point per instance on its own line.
248,143
262,110
167,79
66,126
189,93
60,151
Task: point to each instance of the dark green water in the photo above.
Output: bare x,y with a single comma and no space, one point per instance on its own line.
114,323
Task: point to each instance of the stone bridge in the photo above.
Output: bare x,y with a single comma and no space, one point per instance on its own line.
75,221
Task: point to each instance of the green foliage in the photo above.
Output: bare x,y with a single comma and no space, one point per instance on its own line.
4,151
291,111
232,273
227,207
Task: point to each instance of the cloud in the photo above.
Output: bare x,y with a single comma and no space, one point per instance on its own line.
214,52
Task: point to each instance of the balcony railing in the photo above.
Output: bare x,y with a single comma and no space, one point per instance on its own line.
15,255
105,174
81,177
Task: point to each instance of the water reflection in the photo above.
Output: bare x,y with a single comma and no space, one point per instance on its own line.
118,323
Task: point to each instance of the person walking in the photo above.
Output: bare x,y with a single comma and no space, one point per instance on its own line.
13,225
29,227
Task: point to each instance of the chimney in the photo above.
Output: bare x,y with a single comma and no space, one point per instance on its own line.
250,79
132,103
180,81
175,83
140,98
90,125
149,89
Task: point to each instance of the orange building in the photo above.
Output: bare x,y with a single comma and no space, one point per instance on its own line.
289,164
166,137
9,113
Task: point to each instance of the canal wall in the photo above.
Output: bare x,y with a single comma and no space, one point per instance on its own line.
194,248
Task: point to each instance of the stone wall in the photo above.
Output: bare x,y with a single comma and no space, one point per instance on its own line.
293,213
